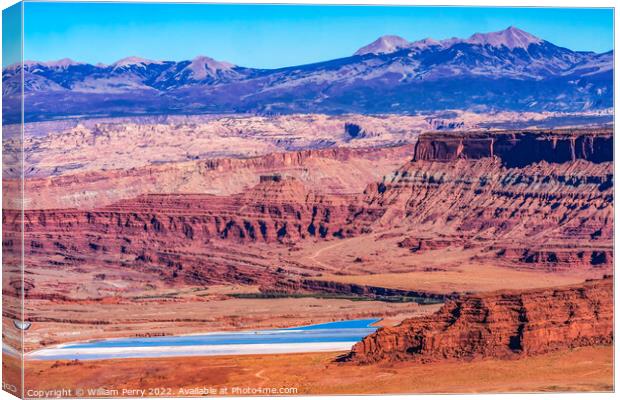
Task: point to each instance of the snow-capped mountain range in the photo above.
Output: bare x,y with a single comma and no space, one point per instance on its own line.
511,38
505,70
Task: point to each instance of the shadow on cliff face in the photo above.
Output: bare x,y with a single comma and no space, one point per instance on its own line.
517,149
528,148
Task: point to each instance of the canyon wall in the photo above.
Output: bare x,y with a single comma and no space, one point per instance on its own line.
275,210
499,325
317,169
519,148
184,238
545,215
556,212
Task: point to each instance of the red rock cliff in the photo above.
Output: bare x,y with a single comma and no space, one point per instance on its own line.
555,215
517,149
499,325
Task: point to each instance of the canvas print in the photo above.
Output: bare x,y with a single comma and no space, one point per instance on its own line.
246,199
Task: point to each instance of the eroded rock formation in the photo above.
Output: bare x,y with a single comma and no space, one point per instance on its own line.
317,169
466,189
545,215
275,210
517,149
499,325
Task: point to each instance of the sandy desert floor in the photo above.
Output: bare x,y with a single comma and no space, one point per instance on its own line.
584,369
363,260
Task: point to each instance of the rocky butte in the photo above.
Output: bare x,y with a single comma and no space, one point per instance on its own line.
499,325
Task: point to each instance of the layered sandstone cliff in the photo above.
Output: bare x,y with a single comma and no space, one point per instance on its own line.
275,210
555,210
318,169
518,148
499,325
190,238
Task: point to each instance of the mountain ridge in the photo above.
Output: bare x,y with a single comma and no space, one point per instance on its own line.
506,70
511,37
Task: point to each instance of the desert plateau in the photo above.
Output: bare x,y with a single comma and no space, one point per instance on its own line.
302,244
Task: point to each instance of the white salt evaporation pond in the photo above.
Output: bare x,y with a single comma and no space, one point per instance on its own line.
332,336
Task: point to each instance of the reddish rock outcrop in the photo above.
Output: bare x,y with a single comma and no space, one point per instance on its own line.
568,256
192,238
499,325
519,148
419,245
276,210
466,190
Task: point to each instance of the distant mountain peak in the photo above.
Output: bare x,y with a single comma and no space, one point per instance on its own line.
510,37
203,66
129,61
490,71
62,63
424,44
383,45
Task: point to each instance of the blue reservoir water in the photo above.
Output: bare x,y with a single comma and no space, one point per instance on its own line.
345,332
348,324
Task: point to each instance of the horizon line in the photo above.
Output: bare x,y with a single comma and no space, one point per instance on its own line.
103,64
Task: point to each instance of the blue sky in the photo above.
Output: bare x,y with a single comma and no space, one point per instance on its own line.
271,36
11,34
